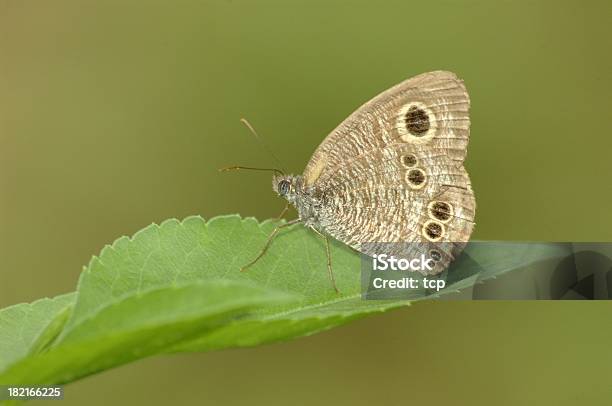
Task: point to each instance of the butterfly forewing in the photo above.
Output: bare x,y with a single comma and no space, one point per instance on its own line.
381,121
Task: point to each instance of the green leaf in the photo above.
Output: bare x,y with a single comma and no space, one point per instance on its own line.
27,328
192,250
178,287
138,326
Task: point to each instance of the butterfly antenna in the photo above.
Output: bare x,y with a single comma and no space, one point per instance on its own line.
235,168
265,146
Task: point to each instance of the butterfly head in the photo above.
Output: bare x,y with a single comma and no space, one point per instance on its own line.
286,186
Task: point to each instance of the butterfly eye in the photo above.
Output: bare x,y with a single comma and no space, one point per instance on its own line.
283,187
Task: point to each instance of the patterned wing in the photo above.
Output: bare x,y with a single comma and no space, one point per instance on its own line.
429,109
393,172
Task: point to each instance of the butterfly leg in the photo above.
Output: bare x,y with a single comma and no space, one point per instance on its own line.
280,216
268,242
329,264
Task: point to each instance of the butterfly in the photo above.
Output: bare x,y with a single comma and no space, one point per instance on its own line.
392,174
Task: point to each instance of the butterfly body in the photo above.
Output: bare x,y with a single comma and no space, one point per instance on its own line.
307,201
390,178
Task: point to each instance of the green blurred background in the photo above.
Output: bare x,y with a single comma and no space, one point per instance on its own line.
116,114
